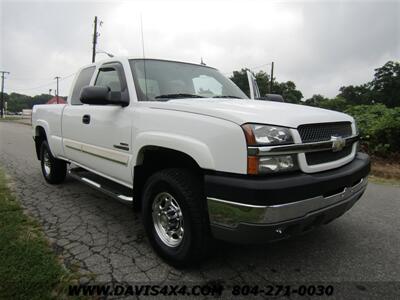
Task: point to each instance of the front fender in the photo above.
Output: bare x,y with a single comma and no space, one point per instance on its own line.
198,150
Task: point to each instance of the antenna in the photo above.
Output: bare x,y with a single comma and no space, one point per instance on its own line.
144,59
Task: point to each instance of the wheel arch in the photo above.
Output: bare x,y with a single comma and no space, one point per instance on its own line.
153,158
40,136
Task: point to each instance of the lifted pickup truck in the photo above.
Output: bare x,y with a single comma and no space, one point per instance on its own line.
199,158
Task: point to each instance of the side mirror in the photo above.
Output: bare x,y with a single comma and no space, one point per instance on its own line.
101,95
272,97
94,95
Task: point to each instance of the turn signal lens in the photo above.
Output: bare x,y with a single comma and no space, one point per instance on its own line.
248,132
252,165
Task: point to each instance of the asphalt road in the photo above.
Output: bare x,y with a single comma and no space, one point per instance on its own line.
105,238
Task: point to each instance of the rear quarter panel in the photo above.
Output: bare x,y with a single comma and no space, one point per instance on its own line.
49,117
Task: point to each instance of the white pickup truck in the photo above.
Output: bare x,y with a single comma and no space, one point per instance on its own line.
198,157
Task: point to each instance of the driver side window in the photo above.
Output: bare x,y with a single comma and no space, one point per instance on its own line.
109,78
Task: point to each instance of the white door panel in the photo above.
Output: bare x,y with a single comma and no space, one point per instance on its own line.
100,144
72,128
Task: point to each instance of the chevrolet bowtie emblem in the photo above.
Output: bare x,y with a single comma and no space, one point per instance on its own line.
338,143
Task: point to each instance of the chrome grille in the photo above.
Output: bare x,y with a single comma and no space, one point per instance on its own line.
323,131
316,158
310,133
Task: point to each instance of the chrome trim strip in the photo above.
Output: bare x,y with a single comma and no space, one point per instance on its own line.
297,148
95,172
116,195
231,214
125,198
91,182
111,155
235,203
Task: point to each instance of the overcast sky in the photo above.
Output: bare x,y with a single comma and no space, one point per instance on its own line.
318,45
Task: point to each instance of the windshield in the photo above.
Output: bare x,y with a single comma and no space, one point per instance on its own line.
158,80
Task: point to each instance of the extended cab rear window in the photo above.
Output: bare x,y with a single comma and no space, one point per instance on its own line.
83,80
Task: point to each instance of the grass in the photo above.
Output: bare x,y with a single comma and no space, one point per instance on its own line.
386,168
28,267
385,181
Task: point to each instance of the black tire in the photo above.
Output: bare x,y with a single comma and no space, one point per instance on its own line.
54,170
186,189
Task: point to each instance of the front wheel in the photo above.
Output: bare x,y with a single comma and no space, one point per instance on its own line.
175,216
54,170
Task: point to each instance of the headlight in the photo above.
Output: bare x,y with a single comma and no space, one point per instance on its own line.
271,164
266,135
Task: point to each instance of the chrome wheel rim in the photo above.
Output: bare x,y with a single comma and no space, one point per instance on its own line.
168,219
46,163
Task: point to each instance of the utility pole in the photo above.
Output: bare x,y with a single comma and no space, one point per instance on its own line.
57,78
95,35
2,93
272,77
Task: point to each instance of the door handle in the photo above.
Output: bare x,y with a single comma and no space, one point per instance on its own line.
86,119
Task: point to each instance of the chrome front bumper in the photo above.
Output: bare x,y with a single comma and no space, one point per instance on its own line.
230,214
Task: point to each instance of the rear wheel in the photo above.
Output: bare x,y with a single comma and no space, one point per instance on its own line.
175,216
54,170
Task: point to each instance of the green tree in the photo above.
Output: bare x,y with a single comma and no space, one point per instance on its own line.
386,84
379,127
384,88
17,102
338,103
262,79
316,100
357,95
288,91
240,79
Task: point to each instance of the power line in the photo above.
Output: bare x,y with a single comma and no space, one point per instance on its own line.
38,79
264,65
2,93
37,87
47,84
65,77
27,78
252,68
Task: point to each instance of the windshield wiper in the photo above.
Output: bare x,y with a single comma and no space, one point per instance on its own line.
227,96
180,95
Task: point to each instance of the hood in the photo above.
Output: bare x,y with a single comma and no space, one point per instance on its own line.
242,111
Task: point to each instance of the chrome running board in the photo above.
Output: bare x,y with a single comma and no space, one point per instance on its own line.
108,187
